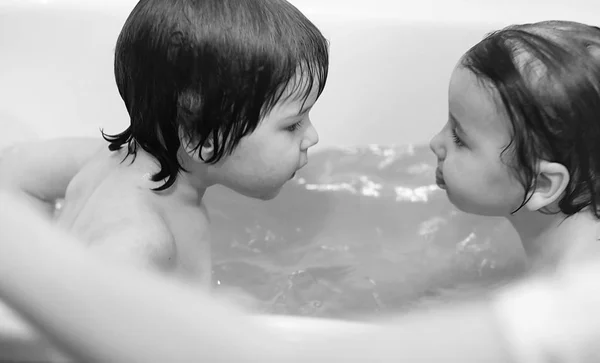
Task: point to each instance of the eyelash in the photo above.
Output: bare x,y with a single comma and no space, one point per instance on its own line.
295,126
457,141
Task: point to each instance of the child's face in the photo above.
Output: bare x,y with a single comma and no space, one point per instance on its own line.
270,156
469,148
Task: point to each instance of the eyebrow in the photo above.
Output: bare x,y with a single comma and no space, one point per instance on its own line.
456,123
301,112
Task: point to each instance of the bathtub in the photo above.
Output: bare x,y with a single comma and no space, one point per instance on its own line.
369,232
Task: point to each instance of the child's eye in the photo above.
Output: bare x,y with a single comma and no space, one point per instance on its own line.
295,126
456,139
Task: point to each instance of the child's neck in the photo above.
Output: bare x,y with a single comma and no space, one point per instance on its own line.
551,239
196,175
190,184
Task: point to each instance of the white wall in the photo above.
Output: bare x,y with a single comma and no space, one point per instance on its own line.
390,63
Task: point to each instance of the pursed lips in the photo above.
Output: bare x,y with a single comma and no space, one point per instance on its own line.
300,167
439,178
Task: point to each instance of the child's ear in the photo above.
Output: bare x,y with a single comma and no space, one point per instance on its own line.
552,180
197,153
208,149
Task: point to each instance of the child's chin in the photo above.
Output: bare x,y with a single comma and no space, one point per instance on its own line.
265,195
271,195
462,205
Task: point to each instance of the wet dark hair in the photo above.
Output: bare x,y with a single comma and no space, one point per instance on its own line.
210,70
547,75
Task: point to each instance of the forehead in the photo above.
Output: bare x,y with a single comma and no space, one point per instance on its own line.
301,89
296,97
477,106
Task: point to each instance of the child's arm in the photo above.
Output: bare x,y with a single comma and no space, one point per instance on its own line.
42,169
114,314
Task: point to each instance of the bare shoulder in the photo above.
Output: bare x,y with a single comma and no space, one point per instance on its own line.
143,239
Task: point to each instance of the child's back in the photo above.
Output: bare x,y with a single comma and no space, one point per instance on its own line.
110,199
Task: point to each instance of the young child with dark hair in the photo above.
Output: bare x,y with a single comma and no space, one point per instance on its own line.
218,93
522,135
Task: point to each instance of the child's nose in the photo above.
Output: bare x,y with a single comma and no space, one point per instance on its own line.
437,146
311,137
